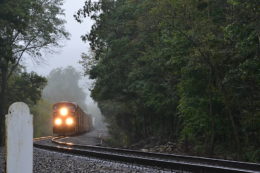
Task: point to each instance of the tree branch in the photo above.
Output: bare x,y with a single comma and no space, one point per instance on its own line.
19,59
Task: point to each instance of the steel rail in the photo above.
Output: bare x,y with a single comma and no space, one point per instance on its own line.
42,138
138,157
180,158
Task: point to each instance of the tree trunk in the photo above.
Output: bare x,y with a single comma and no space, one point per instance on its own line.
210,145
212,135
235,131
3,102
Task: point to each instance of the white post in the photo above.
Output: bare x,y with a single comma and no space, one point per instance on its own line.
19,139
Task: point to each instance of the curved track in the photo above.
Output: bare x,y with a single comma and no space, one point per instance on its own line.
170,161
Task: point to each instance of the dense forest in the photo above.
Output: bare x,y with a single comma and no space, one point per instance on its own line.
186,71
180,71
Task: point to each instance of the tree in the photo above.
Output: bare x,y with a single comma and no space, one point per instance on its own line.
26,28
185,71
63,85
25,87
42,118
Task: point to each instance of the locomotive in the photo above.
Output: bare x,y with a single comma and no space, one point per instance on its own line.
70,119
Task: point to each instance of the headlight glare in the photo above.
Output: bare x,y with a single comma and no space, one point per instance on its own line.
64,111
69,121
58,121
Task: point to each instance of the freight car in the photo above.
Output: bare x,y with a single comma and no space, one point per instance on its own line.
70,119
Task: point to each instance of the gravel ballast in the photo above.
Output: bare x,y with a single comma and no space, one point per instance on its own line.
53,162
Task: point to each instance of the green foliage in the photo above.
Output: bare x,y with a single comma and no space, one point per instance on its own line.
42,118
26,87
26,28
186,71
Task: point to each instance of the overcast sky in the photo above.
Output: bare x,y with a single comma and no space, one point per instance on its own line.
71,52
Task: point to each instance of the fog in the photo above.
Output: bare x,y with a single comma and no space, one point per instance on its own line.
69,54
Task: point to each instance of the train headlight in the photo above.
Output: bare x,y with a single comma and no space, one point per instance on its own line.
58,121
69,121
64,111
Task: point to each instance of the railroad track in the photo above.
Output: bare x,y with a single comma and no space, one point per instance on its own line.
42,138
174,162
